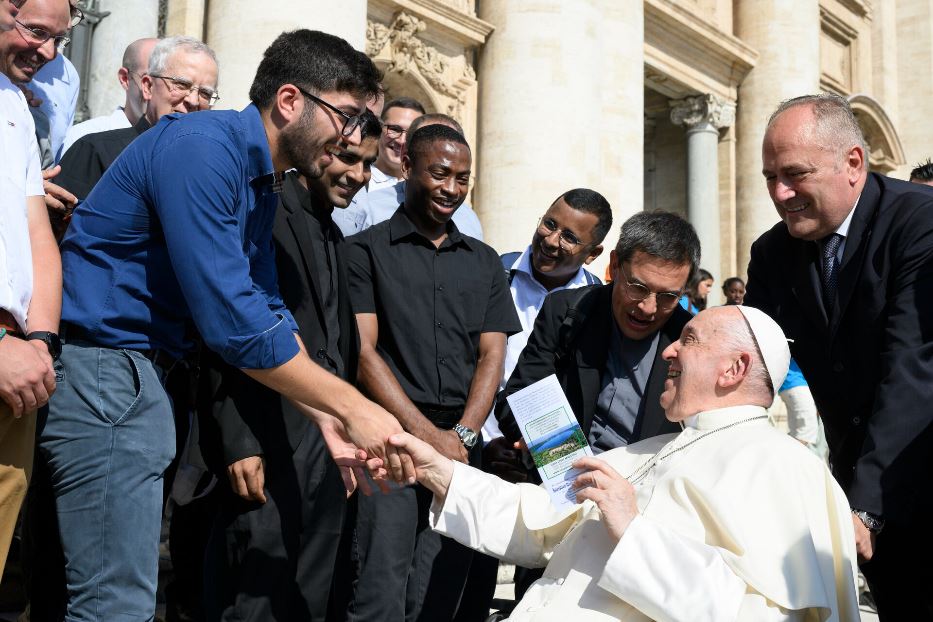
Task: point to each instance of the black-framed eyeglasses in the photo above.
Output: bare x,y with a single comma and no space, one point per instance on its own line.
350,121
567,241
638,292
182,86
394,131
36,37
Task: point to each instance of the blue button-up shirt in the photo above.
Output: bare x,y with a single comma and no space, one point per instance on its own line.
180,229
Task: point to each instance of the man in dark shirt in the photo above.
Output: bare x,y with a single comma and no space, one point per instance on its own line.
177,238
274,548
189,85
434,311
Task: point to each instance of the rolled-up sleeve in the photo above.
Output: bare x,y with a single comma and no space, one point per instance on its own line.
197,187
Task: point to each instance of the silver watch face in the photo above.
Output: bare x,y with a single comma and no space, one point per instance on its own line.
467,436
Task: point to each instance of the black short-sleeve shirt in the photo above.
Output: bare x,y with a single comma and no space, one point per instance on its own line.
432,304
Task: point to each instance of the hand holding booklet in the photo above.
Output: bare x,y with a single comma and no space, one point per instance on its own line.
552,434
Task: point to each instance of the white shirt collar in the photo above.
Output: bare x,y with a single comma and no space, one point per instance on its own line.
380,177
843,229
523,265
719,417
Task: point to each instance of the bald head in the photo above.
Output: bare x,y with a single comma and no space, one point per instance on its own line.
135,65
829,120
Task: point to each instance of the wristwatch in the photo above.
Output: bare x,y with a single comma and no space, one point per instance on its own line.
872,523
467,436
51,340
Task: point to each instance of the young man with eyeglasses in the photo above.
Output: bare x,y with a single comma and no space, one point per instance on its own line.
135,65
176,240
181,78
30,284
273,550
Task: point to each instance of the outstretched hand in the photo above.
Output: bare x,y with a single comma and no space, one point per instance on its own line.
433,470
612,494
351,460
369,430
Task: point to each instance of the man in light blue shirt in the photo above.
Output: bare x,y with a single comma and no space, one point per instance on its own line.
568,237
57,84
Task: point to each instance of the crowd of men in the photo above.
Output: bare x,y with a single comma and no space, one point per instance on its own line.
279,329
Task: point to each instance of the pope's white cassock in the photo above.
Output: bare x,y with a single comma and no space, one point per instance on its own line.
737,522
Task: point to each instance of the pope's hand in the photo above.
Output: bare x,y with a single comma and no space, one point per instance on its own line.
612,494
433,470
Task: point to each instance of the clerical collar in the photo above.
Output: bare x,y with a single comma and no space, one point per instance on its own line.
720,417
271,181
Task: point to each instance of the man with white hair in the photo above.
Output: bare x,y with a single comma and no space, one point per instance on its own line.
728,520
181,78
135,65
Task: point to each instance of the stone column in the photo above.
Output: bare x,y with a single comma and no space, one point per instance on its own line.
185,17
703,116
128,20
561,106
786,35
239,32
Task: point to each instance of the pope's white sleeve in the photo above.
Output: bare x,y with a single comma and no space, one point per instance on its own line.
487,514
669,577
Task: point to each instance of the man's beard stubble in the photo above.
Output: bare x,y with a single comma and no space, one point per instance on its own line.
300,147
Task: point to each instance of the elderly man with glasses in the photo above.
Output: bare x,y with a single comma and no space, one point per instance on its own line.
130,74
181,78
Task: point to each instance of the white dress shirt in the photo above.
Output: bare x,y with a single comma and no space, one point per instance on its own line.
116,120
20,176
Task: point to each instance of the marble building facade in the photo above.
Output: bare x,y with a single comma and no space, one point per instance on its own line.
658,104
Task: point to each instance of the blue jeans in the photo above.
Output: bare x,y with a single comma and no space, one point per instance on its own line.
108,439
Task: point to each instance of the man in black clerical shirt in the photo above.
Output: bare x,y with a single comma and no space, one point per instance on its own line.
273,548
434,311
182,78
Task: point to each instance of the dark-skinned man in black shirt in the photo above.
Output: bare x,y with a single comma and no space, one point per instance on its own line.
434,312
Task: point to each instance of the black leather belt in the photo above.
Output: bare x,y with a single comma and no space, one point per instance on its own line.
73,332
444,418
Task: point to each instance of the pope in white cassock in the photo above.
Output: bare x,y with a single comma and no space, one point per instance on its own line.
728,520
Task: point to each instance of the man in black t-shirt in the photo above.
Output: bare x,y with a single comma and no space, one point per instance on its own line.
434,312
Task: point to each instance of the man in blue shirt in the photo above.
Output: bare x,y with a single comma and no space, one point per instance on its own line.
174,241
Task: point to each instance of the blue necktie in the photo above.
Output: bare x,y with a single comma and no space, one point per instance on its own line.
830,269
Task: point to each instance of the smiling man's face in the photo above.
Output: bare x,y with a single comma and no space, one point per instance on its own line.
438,180
20,56
812,185
639,319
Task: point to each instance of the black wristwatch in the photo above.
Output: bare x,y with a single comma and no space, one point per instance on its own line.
872,523
51,340
467,436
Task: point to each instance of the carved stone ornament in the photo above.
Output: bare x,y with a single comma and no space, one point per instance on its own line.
693,111
408,54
